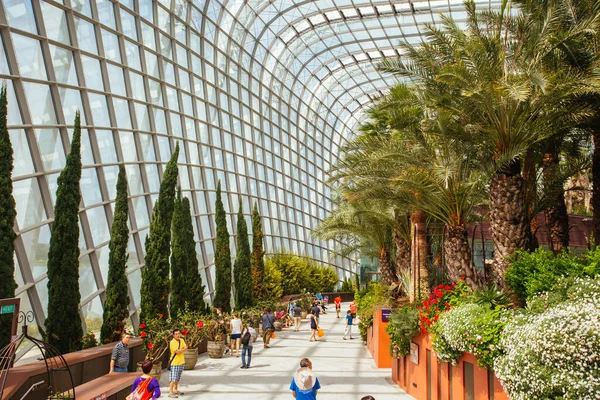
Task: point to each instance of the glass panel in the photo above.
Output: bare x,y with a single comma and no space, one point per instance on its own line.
28,199
86,36
122,113
147,147
23,165
102,255
143,117
135,283
106,13
106,146
40,103
99,227
64,66
83,6
37,244
55,21
29,57
87,283
3,63
134,180
110,176
153,178
92,313
90,189
117,80
71,103
99,109
19,14
128,24
42,290
128,146
92,73
141,211
133,55
51,149
111,46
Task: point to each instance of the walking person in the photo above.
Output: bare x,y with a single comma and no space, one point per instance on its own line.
236,334
348,330
316,309
338,305
222,317
314,326
150,385
305,384
177,347
297,317
119,359
268,327
248,338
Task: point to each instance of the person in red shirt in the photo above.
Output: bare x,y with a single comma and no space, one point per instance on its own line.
338,305
353,308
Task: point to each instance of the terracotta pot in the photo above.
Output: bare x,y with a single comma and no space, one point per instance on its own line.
156,369
191,358
303,314
278,325
215,349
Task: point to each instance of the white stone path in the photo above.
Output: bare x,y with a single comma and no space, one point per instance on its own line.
345,369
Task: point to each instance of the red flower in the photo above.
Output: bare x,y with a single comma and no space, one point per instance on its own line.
462,278
150,345
454,285
143,334
200,324
185,332
160,315
142,326
440,294
448,287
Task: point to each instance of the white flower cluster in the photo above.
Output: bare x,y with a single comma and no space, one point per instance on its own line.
555,354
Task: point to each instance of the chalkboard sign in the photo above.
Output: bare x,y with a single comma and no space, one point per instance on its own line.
385,315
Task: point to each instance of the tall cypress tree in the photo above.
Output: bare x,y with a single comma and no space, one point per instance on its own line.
186,283
196,289
242,271
222,257
258,262
155,274
63,325
116,305
7,219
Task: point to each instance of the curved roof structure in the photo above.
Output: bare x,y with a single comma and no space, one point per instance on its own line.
260,94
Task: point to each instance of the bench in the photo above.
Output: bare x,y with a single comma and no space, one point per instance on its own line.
111,386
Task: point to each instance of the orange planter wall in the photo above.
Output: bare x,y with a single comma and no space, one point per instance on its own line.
378,342
430,380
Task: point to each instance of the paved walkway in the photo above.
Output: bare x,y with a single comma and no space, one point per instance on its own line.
345,369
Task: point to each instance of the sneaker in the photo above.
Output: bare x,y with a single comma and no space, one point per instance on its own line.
351,338
226,351
247,366
344,337
243,366
179,393
173,396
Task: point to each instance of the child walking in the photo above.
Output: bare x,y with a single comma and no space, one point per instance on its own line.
348,330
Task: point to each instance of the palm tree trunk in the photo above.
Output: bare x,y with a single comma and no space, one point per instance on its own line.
420,252
530,183
557,219
457,254
388,275
402,252
596,181
507,218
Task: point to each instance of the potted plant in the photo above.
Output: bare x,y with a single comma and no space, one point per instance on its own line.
305,303
216,332
194,332
279,318
155,336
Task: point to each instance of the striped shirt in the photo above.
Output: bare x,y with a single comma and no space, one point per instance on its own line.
120,354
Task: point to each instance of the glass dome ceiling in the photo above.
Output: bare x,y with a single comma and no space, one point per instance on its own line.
259,94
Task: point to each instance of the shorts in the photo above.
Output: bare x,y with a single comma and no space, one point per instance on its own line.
236,336
175,374
338,307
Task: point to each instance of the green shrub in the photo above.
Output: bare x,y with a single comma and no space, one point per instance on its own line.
375,296
272,284
539,272
301,274
403,326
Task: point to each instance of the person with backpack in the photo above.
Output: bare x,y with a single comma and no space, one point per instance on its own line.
348,330
248,338
177,347
145,387
305,384
268,326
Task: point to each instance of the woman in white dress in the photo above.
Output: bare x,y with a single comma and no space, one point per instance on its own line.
236,334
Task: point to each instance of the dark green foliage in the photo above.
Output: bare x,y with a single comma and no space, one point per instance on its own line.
63,324
222,257
538,272
357,281
155,275
7,220
242,271
404,325
346,285
116,305
186,284
258,261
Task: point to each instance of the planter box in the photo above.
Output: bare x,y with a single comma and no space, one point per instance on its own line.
421,376
378,341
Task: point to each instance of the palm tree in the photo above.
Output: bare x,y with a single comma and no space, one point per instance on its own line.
360,225
492,77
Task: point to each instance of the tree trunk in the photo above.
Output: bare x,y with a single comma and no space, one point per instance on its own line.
420,251
530,184
457,253
596,181
388,275
402,252
557,219
507,218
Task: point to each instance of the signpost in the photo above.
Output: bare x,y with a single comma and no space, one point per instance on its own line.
7,309
385,315
8,306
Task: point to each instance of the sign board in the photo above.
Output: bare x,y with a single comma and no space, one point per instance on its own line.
414,353
7,309
385,315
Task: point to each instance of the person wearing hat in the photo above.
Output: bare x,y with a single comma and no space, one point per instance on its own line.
305,384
